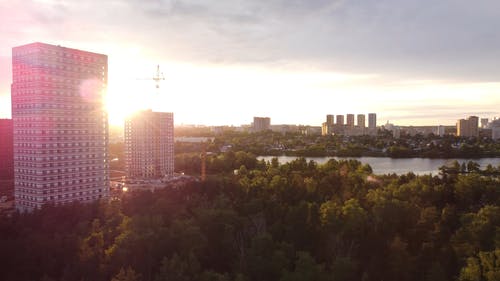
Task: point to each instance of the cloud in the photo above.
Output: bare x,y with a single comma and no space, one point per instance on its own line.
452,41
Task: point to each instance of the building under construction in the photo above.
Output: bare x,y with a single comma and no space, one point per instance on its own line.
149,145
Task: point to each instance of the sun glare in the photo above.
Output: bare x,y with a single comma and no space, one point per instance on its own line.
128,92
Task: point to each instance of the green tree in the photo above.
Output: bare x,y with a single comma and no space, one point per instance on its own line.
126,275
305,268
177,269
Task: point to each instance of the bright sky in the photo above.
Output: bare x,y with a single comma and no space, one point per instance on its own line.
415,62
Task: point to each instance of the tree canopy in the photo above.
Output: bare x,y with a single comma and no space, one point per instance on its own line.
270,221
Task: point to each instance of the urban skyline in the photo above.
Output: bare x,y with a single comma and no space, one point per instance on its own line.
270,56
313,140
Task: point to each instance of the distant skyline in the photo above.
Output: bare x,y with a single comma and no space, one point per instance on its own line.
412,62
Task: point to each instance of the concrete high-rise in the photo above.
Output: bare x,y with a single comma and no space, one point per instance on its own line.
474,125
329,119
462,127
340,120
350,120
327,127
361,121
60,125
372,120
261,124
149,145
468,127
495,129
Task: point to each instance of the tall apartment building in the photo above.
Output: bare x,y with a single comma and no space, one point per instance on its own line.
149,145
327,127
6,154
462,127
361,121
350,120
468,127
60,125
372,120
261,124
339,120
329,119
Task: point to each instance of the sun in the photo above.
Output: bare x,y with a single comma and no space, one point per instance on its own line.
123,100
126,94
128,89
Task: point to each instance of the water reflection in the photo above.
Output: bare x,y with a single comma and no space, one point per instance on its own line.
386,165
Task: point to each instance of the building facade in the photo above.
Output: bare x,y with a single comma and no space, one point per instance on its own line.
361,121
494,125
6,154
372,120
468,127
329,119
261,124
339,120
149,145
60,125
349,128
350,120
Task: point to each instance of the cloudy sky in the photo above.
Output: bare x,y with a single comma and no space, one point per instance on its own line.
225,61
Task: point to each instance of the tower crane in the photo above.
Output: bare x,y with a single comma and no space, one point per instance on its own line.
158,77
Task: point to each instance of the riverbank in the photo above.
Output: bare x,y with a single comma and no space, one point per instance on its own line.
387,165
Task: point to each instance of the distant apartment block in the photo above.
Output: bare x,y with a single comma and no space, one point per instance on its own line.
348,128
361,121
396,132
468,127
326,129
329,119
261,124
350,120
495,129
60,125
149,145
6,151
484,122
339,120
441,130
311,130
372,120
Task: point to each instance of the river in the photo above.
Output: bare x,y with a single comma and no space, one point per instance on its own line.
386,165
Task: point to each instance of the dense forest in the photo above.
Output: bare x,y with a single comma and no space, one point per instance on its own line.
267,221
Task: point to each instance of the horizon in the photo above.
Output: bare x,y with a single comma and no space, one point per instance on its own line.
293,62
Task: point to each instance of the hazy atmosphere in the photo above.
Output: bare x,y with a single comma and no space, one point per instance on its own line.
411,62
